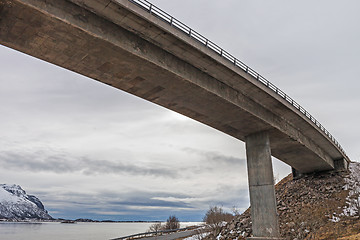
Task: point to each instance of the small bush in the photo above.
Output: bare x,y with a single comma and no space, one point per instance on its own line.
172,223
215,218
156,227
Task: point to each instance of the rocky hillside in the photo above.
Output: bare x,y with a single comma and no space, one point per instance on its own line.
321,206
16,205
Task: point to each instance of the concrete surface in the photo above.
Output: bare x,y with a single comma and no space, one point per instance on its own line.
120,44
264,217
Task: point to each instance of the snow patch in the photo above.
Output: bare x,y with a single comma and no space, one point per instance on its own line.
13,194
334,219
197,236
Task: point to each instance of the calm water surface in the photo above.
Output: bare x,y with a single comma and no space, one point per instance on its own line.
78,231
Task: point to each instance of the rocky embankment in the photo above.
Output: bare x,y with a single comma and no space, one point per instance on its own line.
16,205
320,206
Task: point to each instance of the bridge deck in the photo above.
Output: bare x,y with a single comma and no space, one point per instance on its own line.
120,44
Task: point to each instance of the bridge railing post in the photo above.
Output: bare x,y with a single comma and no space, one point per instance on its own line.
264,216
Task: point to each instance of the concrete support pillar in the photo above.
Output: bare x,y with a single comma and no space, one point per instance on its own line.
264,216
341,164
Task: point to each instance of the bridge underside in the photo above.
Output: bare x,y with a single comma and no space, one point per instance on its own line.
94,45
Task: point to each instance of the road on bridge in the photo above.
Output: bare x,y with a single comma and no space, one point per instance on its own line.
172,236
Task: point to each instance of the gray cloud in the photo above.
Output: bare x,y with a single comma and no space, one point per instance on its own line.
301,47
151,203
120,205
67,164
217,158
116,199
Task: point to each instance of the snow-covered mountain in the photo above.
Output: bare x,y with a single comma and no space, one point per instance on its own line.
15,204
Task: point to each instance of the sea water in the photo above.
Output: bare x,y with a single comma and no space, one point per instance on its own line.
76,231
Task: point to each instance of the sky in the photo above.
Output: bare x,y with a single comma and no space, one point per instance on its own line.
88,150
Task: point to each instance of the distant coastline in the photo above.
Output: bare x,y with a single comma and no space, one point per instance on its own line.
76,220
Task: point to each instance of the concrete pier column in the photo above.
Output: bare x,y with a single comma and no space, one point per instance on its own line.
264,216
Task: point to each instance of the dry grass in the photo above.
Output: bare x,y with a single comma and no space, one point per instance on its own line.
316,215
352,237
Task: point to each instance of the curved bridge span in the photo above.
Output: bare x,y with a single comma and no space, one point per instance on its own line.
134,46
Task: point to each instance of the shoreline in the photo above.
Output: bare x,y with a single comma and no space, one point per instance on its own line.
76,220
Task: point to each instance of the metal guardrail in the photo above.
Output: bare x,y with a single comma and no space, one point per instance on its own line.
162,15
157,233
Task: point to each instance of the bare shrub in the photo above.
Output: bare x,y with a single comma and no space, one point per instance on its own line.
156,227
172,223
215,218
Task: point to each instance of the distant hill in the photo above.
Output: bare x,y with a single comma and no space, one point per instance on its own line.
16,205
320,206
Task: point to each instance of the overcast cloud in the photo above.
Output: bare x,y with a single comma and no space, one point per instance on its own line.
89,150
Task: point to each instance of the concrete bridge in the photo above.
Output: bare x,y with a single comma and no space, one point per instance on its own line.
134,46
